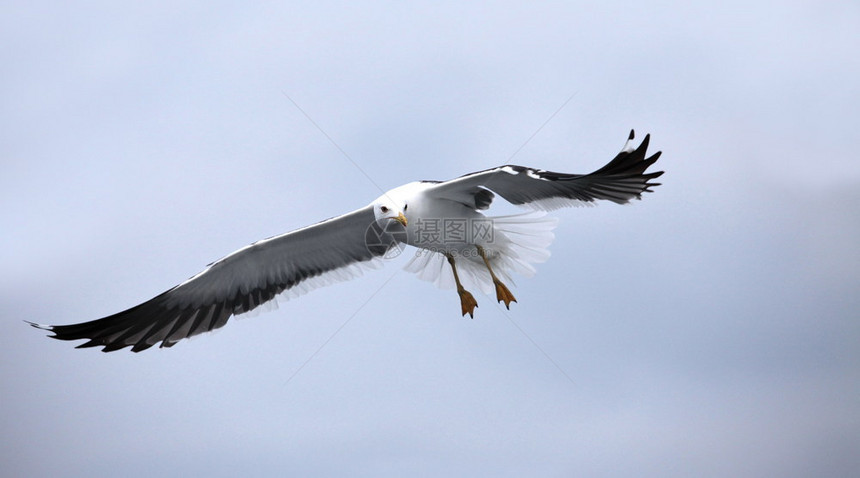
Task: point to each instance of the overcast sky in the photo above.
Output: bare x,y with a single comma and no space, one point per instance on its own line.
709,330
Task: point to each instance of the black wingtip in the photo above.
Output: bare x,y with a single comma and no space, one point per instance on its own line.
49,328
632,134
643,146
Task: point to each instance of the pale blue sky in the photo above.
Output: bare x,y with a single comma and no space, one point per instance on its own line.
708,330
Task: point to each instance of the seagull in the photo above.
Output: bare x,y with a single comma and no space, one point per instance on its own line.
442,219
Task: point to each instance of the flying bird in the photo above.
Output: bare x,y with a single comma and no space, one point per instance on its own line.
456,243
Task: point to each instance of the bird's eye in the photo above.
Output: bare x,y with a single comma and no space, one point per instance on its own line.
383,209
404,207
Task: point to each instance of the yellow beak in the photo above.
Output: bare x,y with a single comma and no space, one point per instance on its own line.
400,218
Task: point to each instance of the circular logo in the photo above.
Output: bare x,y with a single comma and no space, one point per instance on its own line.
388,242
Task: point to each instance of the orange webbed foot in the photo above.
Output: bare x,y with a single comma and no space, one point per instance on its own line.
503,294
467,303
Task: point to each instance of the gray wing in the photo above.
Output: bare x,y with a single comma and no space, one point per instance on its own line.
295,262
622,179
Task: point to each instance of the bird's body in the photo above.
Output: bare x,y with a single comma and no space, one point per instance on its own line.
427,216
456,244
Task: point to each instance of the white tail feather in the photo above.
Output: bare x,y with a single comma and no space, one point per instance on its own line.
519,241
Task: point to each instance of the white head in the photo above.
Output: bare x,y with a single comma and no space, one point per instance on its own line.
389,207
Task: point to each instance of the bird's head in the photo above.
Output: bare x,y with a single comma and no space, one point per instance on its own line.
387,209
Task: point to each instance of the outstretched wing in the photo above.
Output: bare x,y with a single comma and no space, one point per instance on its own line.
622,179
292,263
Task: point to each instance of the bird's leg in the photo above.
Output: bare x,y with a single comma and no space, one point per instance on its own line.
467,300
502,291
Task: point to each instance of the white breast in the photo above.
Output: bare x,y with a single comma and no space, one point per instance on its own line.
443,225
